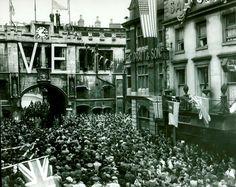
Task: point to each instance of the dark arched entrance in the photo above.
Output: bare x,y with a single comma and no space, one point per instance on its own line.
56,98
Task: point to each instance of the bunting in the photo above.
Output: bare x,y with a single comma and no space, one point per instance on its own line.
148,17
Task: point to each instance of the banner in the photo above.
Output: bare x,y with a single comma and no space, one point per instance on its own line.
173,108
148,17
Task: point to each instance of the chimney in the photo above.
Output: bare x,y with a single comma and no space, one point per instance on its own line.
81,21
97,22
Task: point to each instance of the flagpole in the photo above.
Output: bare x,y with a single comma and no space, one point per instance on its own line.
10,11
35,10
52,7
68,4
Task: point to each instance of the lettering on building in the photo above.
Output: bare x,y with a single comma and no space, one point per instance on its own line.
144,55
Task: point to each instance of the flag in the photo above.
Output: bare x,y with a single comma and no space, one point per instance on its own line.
202,103
38,173
158,113
11,7
148,17
173,109
59,5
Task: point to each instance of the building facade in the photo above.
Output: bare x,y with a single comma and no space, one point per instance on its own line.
144,69
80,69
200,36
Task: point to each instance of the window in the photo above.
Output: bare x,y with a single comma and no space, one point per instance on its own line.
4,90
128,45
141,41
3,58
180,81
59,56
160,31
179,38
231,76
86,59
107,91
60,64
230,27
201,34
202,79
143,76
82,92
128,77
104,59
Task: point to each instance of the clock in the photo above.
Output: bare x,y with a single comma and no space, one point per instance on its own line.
42,33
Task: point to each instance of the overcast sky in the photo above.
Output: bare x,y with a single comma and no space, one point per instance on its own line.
90,9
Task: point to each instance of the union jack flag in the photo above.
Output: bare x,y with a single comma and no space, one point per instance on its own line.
38,173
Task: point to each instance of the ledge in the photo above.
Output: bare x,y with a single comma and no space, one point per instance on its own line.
201,58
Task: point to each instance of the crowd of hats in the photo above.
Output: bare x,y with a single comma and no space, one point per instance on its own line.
102,149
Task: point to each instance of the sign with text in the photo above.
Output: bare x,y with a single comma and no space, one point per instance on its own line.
175,8
144,55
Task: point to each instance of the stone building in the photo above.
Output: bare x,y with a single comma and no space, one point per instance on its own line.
79,69
201,38
144,68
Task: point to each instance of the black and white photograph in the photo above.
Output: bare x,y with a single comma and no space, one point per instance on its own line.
118,93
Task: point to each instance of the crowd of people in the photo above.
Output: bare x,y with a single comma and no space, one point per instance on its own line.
106,150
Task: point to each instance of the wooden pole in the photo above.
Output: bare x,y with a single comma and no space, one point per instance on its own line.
174,135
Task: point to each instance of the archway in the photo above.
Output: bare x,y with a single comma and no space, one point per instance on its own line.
56,98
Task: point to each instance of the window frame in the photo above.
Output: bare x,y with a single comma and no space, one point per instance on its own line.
225,27
199,36
143,75
179,40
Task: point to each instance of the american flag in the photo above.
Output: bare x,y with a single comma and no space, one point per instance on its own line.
148,17
38,173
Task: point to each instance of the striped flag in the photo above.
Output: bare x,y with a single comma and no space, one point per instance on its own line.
38,173
173,109
59,5
148,17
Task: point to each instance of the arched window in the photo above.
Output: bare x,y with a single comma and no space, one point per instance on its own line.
82,109
97,110
82,92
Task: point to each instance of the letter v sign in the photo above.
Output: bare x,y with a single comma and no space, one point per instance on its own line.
28,66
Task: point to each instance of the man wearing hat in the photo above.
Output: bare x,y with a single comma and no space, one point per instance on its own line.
97,183
113,182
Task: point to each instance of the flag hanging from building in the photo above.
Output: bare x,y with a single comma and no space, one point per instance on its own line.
202,103
11,7
148,17
38,173
60,4
173,109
